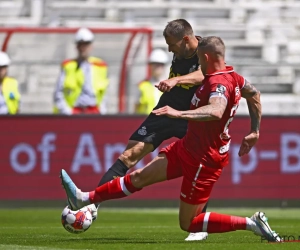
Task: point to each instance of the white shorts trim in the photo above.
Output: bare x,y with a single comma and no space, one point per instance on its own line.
197,174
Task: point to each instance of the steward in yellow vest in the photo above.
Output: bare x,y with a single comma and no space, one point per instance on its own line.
148,94
83,81
9,91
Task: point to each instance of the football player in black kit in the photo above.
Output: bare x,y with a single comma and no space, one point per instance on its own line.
154,130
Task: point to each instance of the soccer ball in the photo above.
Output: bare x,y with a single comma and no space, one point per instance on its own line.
76,222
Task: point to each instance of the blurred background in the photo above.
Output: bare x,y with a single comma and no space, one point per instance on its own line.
262,39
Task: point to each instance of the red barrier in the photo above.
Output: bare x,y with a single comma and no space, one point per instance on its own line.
34,149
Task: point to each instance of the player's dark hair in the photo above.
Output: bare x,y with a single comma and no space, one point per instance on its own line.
178,28
212,44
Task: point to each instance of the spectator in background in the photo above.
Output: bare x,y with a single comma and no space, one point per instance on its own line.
148,93
9,92
83,81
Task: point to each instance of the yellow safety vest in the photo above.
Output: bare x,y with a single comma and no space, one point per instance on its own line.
74,80
148,98
11,94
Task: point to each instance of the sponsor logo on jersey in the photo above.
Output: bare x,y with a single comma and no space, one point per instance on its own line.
221,89
193,68
142,131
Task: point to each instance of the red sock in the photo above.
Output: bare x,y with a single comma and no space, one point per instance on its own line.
114,189
217,223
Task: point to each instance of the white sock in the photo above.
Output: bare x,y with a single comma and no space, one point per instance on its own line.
85,197
250,224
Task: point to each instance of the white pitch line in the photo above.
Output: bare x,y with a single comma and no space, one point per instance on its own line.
8,227
17,247
12,227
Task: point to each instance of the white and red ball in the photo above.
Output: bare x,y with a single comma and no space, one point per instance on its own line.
76,221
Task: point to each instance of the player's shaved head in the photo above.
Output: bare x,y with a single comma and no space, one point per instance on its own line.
178,28
212,45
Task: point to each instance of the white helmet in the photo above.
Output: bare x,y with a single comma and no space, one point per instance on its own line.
4,59
158,56
84,35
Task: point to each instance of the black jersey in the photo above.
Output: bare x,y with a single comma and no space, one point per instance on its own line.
180,96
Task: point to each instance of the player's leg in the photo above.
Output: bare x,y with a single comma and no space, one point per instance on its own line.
144,140
139,145
151,133
155,171
198,235
165,166
179,131
134,152
187,212
220,223
196,186
195,191
191,219
191,205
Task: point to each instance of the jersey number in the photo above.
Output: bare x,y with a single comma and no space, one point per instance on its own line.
232,113
224,134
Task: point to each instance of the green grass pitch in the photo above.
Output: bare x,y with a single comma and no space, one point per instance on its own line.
134,229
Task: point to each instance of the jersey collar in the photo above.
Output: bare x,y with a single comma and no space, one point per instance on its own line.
229,69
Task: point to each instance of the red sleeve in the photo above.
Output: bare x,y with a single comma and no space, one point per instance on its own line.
241,80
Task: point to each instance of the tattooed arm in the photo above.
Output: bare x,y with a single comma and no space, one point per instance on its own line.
252,96
213,111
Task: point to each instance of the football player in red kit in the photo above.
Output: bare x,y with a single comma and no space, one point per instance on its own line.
200,155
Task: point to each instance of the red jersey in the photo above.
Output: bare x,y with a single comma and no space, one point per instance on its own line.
208,142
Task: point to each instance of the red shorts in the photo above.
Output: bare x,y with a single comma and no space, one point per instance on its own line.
198,180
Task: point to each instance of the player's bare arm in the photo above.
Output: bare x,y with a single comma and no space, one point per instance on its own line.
213,111
194,78
252,96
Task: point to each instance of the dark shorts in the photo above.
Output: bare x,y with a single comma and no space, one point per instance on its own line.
155,129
